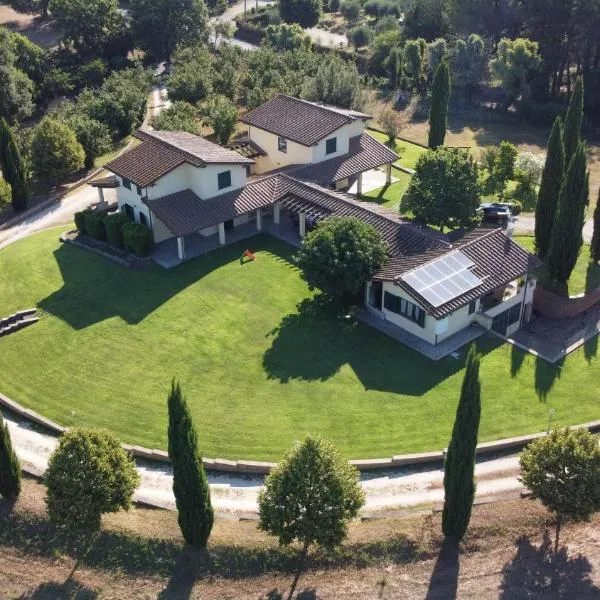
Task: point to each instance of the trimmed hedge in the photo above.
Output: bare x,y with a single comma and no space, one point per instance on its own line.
137,238
114,228
94,225
79,218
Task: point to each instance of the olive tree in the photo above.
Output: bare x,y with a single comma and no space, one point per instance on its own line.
310,497
563,471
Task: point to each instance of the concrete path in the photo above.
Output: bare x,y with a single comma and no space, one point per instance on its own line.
236,495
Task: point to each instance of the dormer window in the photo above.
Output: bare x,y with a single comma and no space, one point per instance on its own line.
281,144
126,183
331,146
224,180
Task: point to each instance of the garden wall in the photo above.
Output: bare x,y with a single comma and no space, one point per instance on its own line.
560,307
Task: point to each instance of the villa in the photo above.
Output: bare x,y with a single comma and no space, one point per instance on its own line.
286,174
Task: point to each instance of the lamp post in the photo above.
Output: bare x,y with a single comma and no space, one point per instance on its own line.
551,414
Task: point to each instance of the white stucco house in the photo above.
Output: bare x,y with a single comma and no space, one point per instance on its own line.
195,195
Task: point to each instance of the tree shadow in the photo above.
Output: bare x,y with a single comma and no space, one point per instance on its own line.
69,590
546,375
592,277
443,584
316,341
517,358
539,573
307,594
94,288
590,348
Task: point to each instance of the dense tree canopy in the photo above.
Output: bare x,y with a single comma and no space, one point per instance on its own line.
304,12
336,82
179,116
10,469
221,114
444,191
470,65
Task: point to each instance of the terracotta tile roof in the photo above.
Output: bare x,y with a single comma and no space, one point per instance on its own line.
162,151
364,153
498,261
299,120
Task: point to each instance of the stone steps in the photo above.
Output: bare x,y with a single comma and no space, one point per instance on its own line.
17,321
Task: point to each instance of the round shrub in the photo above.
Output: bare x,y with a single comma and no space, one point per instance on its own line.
334,6
114,226
94,225
360,36
137,238
351,10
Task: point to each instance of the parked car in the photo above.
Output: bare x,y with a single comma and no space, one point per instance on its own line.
495,211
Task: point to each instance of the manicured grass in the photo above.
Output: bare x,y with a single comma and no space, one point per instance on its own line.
390,195
585,275
258,371
409,153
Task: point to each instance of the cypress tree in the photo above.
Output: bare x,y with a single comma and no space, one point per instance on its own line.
595,245
13,167
438,113
10,470
567,237
459,469
552,178
573,121
190,484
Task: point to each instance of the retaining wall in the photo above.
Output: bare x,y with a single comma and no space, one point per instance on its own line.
560,307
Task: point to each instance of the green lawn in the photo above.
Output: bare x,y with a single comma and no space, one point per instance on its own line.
390,195
408,152
585,275
258,371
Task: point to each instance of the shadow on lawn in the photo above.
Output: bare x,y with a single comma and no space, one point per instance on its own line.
546,375
96,289
70,590
315,342
539,573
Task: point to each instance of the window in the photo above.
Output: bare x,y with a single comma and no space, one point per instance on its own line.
224,179
331,146
143,219
403,307
472,306
281,144
139,190
126,183
128,210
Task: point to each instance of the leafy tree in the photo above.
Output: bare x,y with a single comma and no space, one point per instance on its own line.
567,238
381,48
92,27
595,245
470,65
336,82
391,122
190,485
10,469
55,151
427,19
310,497
351,10
340,255
504,166
28,57
304,12
360,36
394,65
13,167
286,36
528,172
572,131
552,178
563,471
222,116
516,65
414,61
16,99
180,116
438,114
444,191
437,52
192,75
5,193
89,474
56,82
160,26
94,137
459,468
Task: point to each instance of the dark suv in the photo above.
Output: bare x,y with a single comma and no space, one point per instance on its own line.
495,211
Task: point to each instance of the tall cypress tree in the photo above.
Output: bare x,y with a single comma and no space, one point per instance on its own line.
573,121
567,237
10,470
190,484
595,245
438,113
13,167
552,178
459,469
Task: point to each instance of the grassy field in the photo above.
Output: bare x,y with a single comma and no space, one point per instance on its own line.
585,275
408,153
261,362
390,195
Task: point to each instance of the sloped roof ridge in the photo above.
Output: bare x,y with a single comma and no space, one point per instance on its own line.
147,136
322,107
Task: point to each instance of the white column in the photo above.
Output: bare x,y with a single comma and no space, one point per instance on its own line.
221,233
276,213
359,185
181,248
101,196
302,225
258,219
388,174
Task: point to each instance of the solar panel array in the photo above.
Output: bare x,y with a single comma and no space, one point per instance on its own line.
443,279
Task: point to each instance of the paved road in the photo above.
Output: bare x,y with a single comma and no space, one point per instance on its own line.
526,224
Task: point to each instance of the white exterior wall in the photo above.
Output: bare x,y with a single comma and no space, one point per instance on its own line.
125,196
160,231
296,154
343,135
